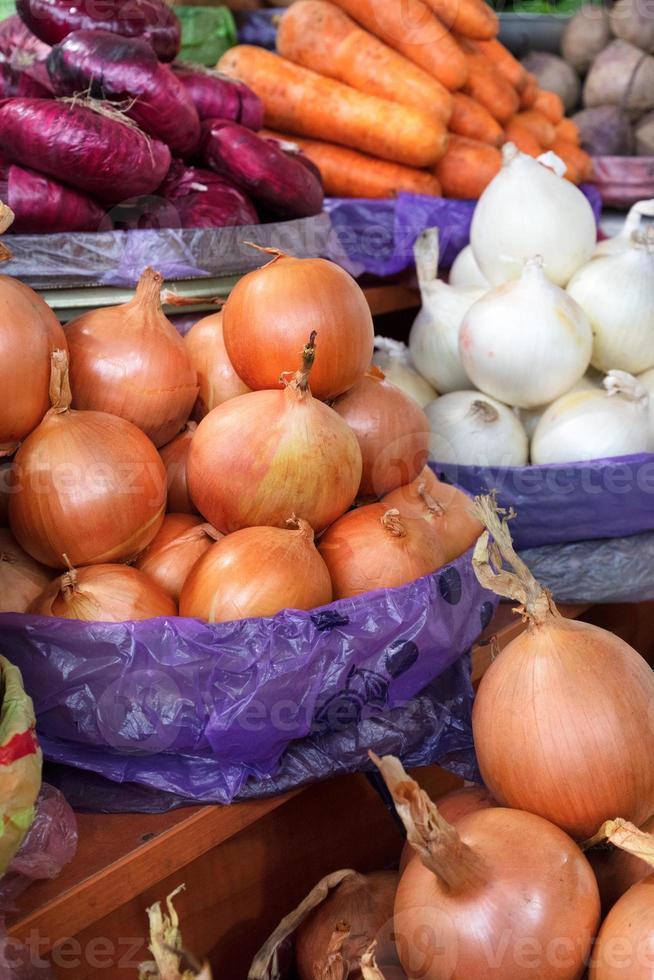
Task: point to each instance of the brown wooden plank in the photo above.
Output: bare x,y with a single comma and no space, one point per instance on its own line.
391,299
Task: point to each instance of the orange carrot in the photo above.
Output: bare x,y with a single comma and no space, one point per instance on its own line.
508,66
412,28
317,35
471,119
300,101
551,105
567,130
487,86
467,167
523,138
472,18
529,92
539,125
580,165
347,173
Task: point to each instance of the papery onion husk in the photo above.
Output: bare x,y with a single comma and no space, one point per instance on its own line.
130,361
260,457
174,456
393,358
617,870
21,578
450,511
471,429
179,544
391,429
373,548
29,333
271,311
257,571
216,376
463,909
562,720
85,484
104,594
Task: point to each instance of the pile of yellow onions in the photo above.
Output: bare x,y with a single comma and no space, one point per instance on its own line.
104,594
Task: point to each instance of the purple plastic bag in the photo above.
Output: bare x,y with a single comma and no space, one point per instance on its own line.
219,704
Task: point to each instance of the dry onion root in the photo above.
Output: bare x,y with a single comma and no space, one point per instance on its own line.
562,720
170,958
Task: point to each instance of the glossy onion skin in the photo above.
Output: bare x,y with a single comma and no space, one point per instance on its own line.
256,572
534,919
106,594
259,458
174,456
216,375
624,949
563,727
169,558
392,432
27,326
88,485
21,578
274,309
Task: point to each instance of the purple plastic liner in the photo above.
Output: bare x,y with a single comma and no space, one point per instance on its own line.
219,704
604,498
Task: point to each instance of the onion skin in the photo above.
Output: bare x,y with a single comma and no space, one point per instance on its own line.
29,333
5,470
616,870
623,948
370,548
174,456
274,308
21,578
453,517
87,485
261,457
392,432
130,361
179,544
257,572
216,376
104,594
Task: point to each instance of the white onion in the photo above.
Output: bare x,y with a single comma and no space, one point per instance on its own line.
465,271
471,429
595,424
617,294
620,242
434,338
530,417
526,342
647,381
394,359
529,210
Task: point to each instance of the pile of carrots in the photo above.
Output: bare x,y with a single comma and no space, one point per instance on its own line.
404,95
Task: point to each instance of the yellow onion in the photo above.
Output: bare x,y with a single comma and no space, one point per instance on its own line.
392,431
130,361
260,457
451,513
273,309
5,470
21,578
217,378
478,890
174,456
29,333
104,594
180,542
85,484
372,548
562,720
257,572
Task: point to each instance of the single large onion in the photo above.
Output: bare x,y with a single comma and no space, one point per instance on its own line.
104,594
562,720
617,870
180,542
85,484
372,548
257,572
391,429
357,912
450,511
130,361
5,471
273,309
258,458
21,578
481,888
217,378
29,333
174,455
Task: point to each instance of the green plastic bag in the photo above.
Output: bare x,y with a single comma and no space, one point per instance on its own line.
207,32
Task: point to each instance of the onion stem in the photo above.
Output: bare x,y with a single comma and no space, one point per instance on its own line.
433,506
391,522
627,837
60,393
